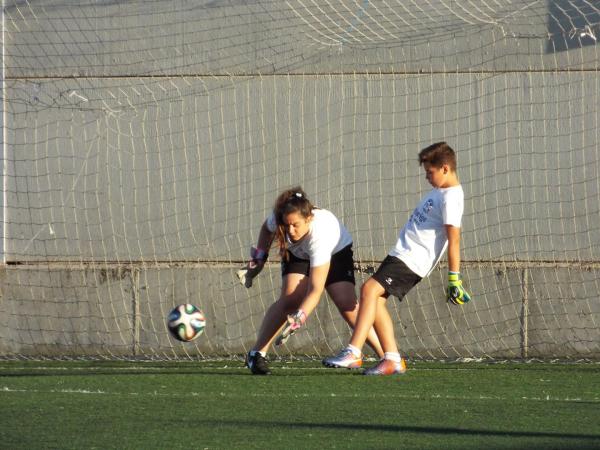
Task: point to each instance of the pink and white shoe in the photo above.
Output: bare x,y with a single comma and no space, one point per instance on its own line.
344,359
387,367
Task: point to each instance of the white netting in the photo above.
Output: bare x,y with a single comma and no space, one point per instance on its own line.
144,143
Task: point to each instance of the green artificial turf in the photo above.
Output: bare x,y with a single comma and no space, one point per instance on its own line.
218,404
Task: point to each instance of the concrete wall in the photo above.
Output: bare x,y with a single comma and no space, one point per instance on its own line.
120,311
146,142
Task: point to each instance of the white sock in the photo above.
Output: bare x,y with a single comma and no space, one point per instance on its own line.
392,356
355,350
254,352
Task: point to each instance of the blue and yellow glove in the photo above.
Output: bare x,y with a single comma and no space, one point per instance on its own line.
456,294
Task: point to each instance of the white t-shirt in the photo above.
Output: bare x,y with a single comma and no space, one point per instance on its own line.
423,240
326,236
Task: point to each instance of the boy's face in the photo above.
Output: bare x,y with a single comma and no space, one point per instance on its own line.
437,176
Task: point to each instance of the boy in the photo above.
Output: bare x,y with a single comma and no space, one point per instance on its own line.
433,226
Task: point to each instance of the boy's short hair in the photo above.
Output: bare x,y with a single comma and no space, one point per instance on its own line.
437,155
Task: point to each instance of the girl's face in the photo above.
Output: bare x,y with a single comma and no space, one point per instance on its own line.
296,226
437,176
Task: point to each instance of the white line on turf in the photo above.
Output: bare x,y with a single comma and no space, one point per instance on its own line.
303,395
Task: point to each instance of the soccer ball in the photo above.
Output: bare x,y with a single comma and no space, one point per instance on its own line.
186,322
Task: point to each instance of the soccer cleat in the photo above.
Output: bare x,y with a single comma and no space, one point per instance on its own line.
257,364
387,367
344,359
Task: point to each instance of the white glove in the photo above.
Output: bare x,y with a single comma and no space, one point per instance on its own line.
254,266
294,322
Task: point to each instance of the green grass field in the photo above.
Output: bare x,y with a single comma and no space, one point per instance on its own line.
196,405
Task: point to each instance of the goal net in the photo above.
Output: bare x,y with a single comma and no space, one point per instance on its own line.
144,143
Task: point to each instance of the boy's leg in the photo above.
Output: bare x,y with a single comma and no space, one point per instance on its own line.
392,363
351,356
371,296
384,326
399,280
343,295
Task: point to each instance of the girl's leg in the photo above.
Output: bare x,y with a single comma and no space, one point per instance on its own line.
293,289
343,295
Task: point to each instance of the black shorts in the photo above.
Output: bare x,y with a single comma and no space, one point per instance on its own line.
395,277
341,266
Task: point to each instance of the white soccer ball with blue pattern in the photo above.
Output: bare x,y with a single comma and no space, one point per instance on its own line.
186,322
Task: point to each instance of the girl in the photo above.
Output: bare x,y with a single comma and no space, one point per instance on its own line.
316,254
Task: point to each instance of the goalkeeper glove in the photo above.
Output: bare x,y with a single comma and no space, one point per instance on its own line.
294,322
456,294
253,268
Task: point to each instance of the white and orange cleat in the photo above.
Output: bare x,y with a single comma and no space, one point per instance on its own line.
387,367
344,359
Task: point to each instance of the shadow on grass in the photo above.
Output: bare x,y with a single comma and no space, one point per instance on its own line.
406,429
235,372
230,371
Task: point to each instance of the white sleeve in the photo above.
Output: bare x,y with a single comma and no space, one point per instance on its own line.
321,251
326,235
453,207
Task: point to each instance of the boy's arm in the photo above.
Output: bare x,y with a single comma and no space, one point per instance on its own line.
455,293
453,234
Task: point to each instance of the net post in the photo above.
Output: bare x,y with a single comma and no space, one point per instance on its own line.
525,315
3,142
134,273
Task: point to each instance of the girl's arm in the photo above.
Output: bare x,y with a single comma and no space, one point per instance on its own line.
316,286
258,257
265,238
